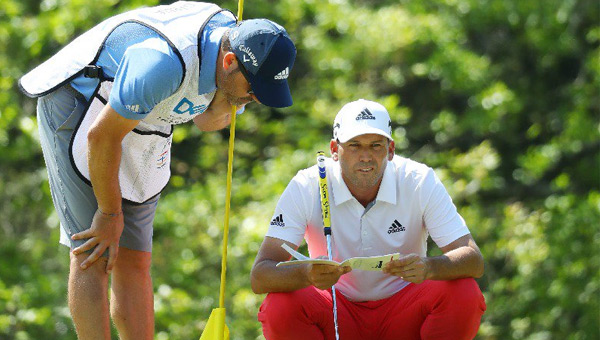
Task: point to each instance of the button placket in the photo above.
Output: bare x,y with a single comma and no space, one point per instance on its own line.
366,241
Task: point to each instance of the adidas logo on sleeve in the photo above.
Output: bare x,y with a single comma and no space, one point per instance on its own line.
278,221
396,227
283,74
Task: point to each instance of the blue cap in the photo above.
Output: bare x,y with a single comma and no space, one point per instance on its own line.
267,55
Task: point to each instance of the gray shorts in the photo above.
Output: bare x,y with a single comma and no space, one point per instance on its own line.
58,114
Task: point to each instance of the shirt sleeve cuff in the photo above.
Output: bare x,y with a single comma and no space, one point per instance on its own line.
284,236
124,111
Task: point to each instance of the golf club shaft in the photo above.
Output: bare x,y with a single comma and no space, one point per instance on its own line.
324,196
335,323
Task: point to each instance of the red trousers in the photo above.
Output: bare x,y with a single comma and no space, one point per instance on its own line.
430,310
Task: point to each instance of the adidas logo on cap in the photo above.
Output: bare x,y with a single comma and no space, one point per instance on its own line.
278,221
365,114
283,74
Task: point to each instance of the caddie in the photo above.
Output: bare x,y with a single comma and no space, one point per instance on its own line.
380,203
107,103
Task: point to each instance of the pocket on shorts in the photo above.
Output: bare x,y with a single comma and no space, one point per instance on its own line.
76,111
62,108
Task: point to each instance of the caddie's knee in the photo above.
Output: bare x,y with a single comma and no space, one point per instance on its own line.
87,285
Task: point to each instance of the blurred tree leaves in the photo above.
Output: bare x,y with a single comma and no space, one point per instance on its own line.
500,97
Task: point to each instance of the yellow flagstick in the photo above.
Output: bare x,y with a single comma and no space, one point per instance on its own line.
216,329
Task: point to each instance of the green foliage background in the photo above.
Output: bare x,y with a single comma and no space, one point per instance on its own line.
501,97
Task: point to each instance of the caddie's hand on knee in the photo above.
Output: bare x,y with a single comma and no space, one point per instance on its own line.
104,233
323,276
411,268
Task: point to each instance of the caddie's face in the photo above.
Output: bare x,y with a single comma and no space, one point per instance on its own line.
236,89
363,160
233,84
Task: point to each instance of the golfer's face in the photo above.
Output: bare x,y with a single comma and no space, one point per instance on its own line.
363,160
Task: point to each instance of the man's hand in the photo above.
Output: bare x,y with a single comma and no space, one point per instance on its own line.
323,276
217,116
411,268
105,232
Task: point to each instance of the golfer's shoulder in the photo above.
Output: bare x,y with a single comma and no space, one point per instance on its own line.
410,171
306,177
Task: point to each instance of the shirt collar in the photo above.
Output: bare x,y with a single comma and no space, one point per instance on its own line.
210,42
339,190
387,189
341,193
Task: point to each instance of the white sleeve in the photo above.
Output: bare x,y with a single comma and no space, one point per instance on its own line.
440,217
291,214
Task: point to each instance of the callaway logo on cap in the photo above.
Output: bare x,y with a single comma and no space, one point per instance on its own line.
361,117
267,54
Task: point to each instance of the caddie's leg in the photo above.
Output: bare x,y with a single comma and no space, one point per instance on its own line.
58,114
303,314
441,310
131,302
88,298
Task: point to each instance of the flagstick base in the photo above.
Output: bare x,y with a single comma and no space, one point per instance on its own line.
216,329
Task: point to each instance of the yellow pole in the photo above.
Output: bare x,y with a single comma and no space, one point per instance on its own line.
228,192
215,327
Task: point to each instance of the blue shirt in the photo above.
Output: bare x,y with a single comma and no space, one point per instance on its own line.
145,68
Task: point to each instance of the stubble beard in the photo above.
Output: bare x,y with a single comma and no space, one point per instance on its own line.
364,182
224,84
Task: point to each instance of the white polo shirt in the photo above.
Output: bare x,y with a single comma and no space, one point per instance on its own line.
412,204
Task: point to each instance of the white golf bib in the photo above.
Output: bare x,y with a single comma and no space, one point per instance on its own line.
179,23
145,153
145,162
146,150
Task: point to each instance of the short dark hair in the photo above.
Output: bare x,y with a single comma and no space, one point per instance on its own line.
225,42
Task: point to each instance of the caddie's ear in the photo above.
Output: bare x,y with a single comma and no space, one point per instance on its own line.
229,61
333,147
391,150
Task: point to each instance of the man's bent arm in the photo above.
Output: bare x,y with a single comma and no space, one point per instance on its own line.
104,157
462,258
266,278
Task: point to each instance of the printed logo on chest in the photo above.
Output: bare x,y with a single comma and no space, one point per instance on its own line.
396,227
187,106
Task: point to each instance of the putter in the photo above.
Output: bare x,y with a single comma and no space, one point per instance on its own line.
326,224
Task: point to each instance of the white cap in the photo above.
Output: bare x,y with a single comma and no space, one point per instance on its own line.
361,117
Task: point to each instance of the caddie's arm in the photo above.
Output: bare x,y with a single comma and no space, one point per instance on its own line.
104,158
265,277
462,258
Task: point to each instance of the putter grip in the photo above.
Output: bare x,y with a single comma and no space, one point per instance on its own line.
323,193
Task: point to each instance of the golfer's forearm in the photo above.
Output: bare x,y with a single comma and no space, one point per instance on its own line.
104,158
266,278
455,264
